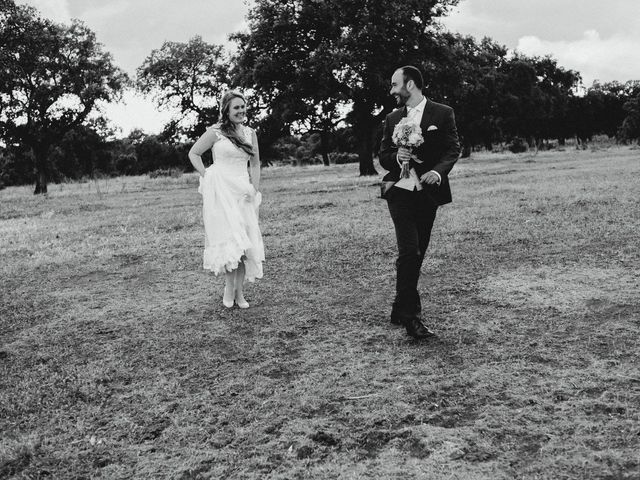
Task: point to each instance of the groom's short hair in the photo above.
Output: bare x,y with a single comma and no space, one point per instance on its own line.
409,72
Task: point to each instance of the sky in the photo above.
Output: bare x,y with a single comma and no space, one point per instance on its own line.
598,38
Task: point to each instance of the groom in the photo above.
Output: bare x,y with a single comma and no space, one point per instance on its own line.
413,201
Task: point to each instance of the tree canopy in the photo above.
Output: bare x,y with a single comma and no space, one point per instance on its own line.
51,78
316,74
189,78
336,51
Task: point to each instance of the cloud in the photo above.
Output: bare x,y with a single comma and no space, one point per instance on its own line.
105,12
616,57
507,20
56,10
130,29
598,39
136,111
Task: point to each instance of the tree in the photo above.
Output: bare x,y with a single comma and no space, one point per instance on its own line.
14,168
603,110
581,117
188,77
82,151
464,73
293,73
340,49
51,78
609,101
630,128
557,86
152,154
521,102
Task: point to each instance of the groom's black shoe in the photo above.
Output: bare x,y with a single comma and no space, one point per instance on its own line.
399,315
416,329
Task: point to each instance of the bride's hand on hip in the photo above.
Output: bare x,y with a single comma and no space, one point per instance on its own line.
250,196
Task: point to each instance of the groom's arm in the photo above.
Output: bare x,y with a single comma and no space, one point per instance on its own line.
388,151
451,145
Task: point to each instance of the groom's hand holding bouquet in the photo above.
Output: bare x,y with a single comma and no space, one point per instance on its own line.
407,136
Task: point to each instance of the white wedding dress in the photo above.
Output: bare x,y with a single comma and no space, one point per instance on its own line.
230,211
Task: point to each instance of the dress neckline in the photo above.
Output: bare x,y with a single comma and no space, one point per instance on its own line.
244,130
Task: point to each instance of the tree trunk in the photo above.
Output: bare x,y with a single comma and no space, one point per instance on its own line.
324,147
466,151
531,142
365,157
366,136
41,172
364,129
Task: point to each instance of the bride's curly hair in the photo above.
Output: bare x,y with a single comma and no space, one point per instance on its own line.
227,128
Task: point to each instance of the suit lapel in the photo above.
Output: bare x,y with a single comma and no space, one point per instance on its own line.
426,116
397,115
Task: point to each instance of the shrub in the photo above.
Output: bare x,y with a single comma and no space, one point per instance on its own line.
166,172
127,164
518,145
340,158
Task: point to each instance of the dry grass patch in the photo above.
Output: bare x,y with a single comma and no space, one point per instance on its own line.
568,289
117,359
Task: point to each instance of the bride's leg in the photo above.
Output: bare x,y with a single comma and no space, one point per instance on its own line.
229,289
239,282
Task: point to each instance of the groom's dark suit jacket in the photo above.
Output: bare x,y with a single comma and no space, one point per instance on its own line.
439,151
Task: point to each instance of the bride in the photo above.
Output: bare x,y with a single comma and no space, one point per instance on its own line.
230,199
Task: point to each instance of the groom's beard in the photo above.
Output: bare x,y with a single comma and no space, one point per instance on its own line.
402,98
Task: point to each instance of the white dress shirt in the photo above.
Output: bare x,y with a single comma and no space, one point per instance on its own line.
413,182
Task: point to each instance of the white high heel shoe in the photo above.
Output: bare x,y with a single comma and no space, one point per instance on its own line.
242,303
227,303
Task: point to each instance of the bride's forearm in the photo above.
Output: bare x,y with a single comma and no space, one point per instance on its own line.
254,163
196,161
255,176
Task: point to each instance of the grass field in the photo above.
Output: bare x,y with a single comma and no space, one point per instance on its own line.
118,360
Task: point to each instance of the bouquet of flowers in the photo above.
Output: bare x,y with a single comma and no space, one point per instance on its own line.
407,134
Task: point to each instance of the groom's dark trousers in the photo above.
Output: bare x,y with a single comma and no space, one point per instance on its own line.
413,212
412,215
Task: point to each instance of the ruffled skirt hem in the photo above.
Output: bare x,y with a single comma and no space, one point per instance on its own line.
232,232
227,258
